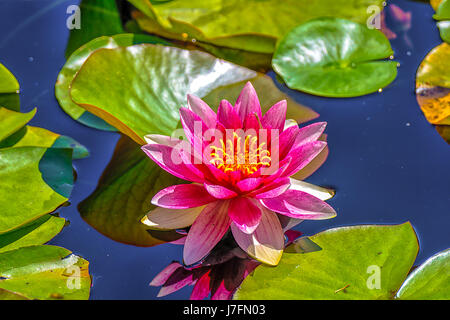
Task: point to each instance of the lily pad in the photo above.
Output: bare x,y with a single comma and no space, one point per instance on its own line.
37,232
75,62
123,195
259,24
12,121
138,103
334,57
97,18
21,203
8,83
44,272
442,11
433,86
430,281
360,262
444,30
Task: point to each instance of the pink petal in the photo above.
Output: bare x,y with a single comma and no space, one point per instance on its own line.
288,222
182,196
302,156
207,230
275,117
248,102
249,184
286,140
171,160
165,274
202,287
266,244
315,164
245,214
273,190
300,205
201,108
220,192
227,115
171,219
194,128
309,133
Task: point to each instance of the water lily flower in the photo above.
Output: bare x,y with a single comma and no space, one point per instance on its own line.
240,164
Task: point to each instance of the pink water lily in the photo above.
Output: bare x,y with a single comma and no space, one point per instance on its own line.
240,164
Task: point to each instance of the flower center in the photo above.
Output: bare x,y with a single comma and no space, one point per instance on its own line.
240,154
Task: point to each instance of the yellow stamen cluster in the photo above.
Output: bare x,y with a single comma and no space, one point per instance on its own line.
239,154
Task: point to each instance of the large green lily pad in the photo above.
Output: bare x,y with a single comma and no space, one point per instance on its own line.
430,281
8,83
139,89
360,262
98,18
123,195
44,272
37,232
335,57
74,63
259,24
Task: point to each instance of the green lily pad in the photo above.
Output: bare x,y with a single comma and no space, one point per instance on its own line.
21,203
259,24
75,62
8,83
334,57
123,195
97,18
45,272
444,30
138,103
37,232
360,262
443,11
430,281
10,101
12,121
30,136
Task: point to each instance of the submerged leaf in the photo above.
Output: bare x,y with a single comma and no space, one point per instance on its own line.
123,196
335,57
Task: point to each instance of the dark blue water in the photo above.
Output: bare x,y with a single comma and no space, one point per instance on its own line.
386,162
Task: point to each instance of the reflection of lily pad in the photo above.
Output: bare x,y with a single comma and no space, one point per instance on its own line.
123,195
352,263
335,58
259,21
138,103
430,281
44,272
433,87
75,62
8,83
